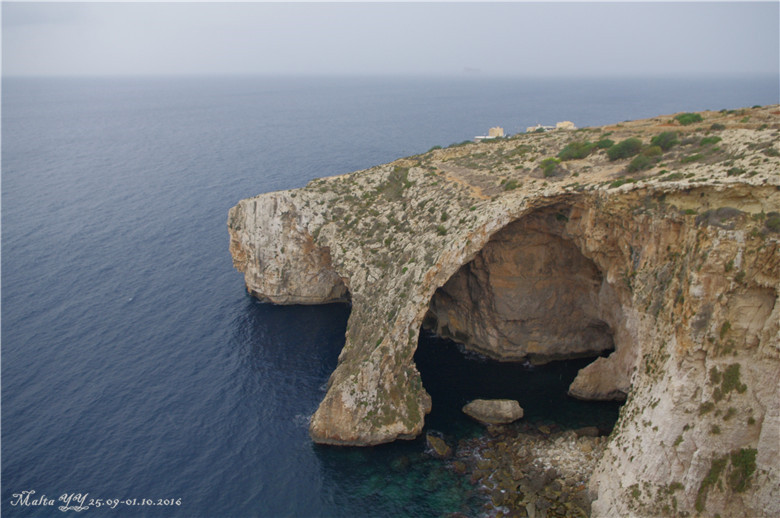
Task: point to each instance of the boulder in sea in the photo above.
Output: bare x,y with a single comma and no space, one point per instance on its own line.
494,411
437,446
459,467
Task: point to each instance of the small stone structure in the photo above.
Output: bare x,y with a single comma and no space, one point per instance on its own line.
495,132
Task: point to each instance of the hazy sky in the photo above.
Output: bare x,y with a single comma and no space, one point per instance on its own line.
391,38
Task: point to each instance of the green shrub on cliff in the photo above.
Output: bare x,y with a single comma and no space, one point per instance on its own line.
397,182
731,380
743,465
691,158
605,143
713,476
773,221
625,149
549,166
621,181
576,150
641,163
671,177
666,140
708,141
688,118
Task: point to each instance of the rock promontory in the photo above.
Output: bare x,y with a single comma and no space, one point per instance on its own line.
654,243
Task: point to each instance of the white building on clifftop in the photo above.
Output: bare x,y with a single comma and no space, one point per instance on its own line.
564,125
538,127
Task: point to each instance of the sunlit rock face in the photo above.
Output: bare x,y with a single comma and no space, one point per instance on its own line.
528,295
280,261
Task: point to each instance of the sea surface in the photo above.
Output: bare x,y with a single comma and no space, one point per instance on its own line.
134,365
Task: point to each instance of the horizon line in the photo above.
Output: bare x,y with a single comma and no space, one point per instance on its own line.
448,75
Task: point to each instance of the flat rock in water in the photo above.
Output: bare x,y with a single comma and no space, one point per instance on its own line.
494,411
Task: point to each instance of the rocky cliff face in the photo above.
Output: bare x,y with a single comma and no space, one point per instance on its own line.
675,266
280,260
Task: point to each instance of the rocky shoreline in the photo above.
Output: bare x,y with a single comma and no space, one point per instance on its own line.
523,470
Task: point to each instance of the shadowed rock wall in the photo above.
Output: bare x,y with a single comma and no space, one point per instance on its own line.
528,295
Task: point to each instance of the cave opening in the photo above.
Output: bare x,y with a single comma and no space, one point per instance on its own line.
518,322
453,376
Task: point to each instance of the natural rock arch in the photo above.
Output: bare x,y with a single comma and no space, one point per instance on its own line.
690,274
531,295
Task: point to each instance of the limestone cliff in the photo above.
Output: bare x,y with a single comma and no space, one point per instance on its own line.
669,257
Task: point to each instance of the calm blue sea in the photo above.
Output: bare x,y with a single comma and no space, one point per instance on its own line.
134,366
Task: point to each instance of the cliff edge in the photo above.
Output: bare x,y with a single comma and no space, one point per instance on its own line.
655,239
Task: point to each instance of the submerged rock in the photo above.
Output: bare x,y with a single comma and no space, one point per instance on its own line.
459,467
536,475
494,411
437,446
401,463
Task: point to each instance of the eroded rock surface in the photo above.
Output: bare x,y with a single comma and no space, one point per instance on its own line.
270,243
678,266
